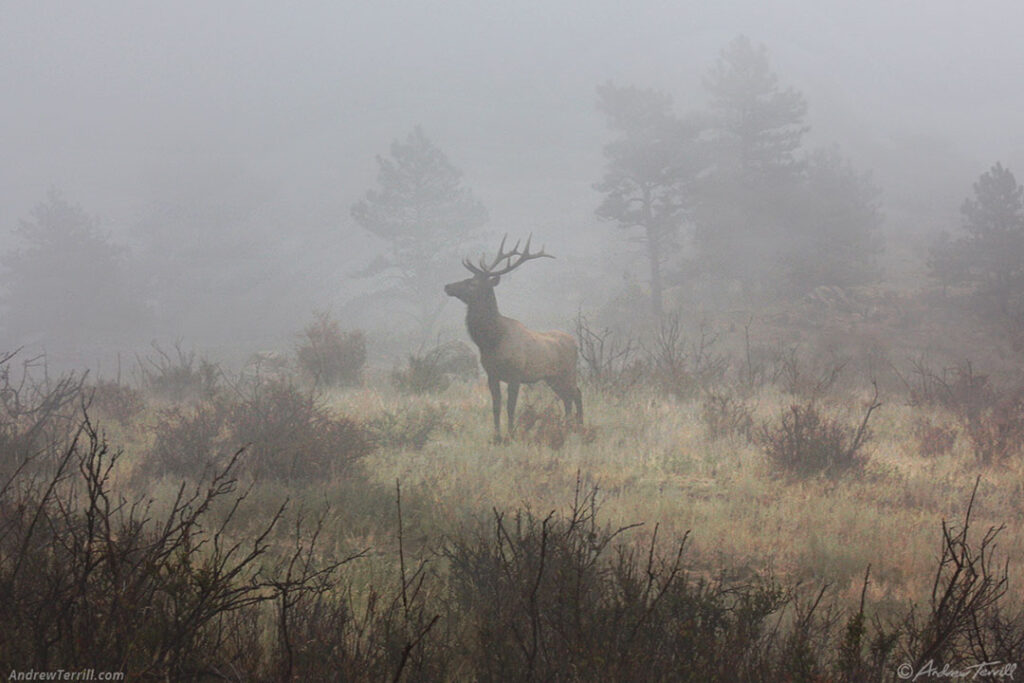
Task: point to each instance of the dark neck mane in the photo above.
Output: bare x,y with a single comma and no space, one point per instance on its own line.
482,321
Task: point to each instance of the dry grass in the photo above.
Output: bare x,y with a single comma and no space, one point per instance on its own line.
652,457
654,461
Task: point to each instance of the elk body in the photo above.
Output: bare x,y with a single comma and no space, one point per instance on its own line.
510,352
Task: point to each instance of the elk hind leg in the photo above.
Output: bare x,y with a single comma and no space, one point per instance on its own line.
578,400
569,395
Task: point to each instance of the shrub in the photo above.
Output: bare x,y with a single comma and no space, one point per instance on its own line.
725,416
996,432
422,375
116,401
808,377
609,360
289,435
407,428
179,378
545,427
682,367
932,439
265,366
804,442
390,632
89,580
38,417
565,598
285,433
329,357
431,372
959,389
187,440
549,427
963,621
458,359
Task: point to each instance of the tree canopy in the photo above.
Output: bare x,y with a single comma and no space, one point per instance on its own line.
67,279
990,255
423,212
748,195
650,171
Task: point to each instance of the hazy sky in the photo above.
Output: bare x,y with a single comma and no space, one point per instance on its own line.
104,99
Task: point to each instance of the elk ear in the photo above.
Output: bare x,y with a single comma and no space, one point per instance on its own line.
494,280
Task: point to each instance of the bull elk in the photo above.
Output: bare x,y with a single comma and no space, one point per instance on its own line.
509,351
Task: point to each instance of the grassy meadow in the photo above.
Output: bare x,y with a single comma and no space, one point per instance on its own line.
727,511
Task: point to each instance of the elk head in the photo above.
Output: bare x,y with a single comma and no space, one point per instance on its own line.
479,288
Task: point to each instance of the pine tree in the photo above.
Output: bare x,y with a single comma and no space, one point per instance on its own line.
651,168
747,199
835,230
424,213
66,286
991,254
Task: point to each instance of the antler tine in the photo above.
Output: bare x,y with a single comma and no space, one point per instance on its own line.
524,256
470,267
507,256
502,255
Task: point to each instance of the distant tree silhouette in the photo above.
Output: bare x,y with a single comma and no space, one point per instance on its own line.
835,229
990,256
424,213
214,255
756,131
651,168
66,285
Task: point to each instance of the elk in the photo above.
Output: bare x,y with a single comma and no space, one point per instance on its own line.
510,352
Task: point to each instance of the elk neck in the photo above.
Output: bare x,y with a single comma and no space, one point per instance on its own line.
483,320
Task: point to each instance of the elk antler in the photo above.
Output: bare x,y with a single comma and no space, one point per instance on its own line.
523,257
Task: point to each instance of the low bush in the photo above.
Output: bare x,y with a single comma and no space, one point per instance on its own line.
806,375
683,367
805,442
960,389
432,372
285,432
421,375
116,401
610,360
329,357
409,428
933,439
90,580
996,431
565,598
549,427
724,416
183,377
38,416
187,440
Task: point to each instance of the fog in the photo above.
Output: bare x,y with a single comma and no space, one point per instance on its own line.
266,122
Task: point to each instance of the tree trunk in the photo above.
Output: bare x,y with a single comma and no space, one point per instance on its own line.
653,255
655,259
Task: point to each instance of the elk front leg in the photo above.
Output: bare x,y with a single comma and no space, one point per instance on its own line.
495,387
513,395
